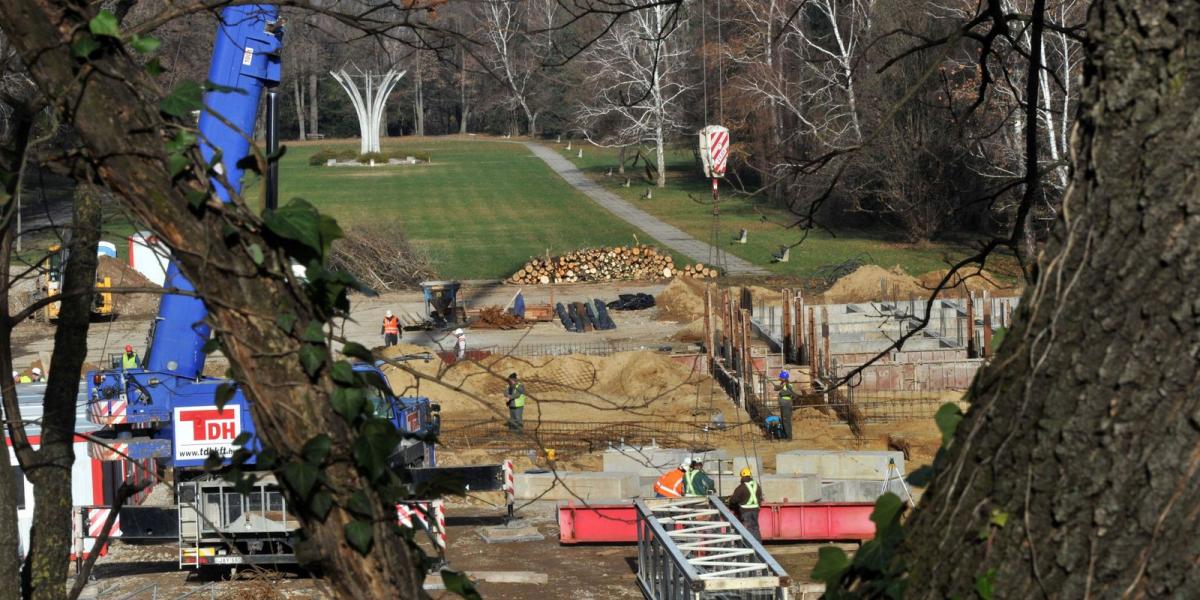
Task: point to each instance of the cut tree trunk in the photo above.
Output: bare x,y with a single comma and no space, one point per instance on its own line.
312,104
298,93
1085,429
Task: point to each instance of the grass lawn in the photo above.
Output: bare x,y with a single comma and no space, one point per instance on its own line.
677,204
480,209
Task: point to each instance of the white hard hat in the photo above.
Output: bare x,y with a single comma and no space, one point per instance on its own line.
15,374
387,314
686,464
458,331
37,371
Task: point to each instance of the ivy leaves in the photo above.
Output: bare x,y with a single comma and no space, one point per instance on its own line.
104,32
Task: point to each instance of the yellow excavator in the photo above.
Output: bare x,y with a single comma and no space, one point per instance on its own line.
50,283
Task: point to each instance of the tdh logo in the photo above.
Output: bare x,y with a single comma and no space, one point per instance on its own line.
200,431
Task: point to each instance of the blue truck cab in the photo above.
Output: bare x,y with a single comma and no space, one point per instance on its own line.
158,414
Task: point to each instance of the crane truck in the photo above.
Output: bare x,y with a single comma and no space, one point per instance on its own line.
166,409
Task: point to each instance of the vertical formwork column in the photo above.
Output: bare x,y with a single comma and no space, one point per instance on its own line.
825,338
813,350
987,325
786,327
708,328
798,321
972,350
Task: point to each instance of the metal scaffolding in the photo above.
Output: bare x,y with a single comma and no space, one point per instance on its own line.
695,549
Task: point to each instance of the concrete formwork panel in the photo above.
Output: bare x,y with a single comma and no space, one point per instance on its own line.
570,485
838,464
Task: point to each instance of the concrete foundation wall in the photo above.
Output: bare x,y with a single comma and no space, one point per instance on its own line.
571,485
852,490
837,464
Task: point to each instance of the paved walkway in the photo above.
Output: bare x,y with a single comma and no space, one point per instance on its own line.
668,235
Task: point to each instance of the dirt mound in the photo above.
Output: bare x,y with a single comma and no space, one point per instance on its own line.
622,387
976,281
867,283
682,300
692,332
122,276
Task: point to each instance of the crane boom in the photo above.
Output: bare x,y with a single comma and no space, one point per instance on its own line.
245,61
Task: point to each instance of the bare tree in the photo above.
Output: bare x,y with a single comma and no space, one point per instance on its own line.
512,60
637,82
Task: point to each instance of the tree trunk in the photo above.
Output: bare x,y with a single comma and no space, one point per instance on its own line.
418,101
299,95
660,158
462,96
121,134
1085,428
621,160
312,104
50,467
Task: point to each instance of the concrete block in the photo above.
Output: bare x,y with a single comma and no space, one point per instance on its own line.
859,490
790,488
655,461
839,464
577,484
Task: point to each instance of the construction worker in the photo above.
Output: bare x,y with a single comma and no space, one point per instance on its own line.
786,393
746,499
36,374
390,329
22,378
460,344
696,482
670,485
130,359
516,403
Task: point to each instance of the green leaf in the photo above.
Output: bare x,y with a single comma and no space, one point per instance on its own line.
144,44
343,373
84,46
999,518
300,222
313,332
154,68
357,350
831,565
196,198
948,417
358,535
985,584
320,504
301,477
224,394
312,358
243,438
359,504
182,141
256,254
211,345
374,445
457,582
887,509
921,477
316,449
266,459
213,462
348,402
185,98
105,23
285,321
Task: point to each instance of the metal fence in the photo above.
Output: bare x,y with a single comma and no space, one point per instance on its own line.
583,435
591,348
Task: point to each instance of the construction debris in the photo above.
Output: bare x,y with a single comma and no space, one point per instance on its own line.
494,317
598,264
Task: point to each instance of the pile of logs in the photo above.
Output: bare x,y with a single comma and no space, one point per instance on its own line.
698,271
598,264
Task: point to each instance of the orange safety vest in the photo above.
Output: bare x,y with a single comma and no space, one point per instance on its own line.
670,484
391,325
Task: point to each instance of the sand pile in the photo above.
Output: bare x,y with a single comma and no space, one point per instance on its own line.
864,285
122,276
976,281
682,300
622,387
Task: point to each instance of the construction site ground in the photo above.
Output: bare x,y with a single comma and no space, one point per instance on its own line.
582,572
640,387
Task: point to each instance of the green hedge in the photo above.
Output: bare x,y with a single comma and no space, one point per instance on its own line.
321,157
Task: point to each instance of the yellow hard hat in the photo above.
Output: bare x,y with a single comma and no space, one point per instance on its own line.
745,472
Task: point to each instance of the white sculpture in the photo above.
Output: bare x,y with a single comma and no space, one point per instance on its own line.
368,105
